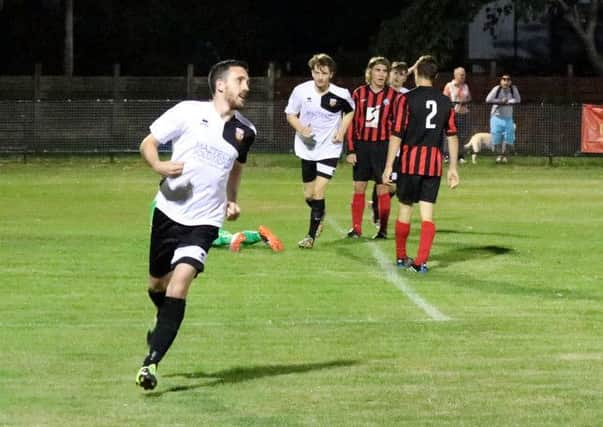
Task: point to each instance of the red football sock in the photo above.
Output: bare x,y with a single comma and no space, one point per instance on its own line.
357,211
427,234
402,232
384,207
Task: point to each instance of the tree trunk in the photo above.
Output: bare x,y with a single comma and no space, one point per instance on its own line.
593,55
585,26
68,58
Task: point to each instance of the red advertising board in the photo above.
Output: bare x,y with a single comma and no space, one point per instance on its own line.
592,129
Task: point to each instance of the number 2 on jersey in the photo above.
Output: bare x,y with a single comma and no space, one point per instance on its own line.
431,105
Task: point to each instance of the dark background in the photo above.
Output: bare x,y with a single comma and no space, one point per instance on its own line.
161,37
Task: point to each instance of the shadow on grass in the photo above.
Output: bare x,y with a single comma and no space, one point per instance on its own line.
348,248
499,287
242,374
479,233
472,253
348,252
478,253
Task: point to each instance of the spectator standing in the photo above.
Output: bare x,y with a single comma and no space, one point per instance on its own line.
319,112
458,91
503,96
422,117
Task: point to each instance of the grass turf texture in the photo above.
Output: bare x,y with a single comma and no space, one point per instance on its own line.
316,337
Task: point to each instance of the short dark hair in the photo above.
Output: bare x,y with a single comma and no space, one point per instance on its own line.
219,69
428,68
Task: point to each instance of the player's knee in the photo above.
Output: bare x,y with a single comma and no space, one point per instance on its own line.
159,284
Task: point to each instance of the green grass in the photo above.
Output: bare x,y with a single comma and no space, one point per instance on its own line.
320,337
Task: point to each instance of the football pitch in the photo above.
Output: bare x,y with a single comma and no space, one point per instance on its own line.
505,329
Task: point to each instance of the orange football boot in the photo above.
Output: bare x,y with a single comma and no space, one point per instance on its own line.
268,236
236,242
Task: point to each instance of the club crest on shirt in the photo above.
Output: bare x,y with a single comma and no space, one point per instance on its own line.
386,102
204,122
239,134
332,102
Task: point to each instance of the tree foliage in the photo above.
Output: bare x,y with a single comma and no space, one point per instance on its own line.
425,26
440,28
581,16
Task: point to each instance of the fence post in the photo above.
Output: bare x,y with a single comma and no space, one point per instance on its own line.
68,79
36,80
116,108
493,69
37,94
115,83
190,75
271,74
270,82
569,83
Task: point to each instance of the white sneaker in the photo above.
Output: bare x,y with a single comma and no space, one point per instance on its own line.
306,243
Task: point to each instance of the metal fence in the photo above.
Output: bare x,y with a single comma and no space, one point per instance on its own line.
106,126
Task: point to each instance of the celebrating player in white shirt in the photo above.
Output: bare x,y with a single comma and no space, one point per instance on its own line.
198,190
320,113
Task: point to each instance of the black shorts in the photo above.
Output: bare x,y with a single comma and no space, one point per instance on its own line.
311,169
173,243
370,160
414,188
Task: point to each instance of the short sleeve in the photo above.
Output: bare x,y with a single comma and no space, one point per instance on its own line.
400,116
169,125
451,123
294,103
349,104
241,134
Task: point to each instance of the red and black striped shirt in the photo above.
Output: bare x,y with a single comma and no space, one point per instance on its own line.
422,116
373,115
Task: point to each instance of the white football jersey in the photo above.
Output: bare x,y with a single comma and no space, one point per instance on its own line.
323,114
208,145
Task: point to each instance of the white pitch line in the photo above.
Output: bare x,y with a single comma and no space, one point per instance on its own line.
393,276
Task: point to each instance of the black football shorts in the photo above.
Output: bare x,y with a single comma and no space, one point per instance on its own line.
311,169
173,243
415,188
370,161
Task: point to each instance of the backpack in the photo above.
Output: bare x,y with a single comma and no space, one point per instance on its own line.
499,88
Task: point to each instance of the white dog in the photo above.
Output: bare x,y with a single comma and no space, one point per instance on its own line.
478,142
